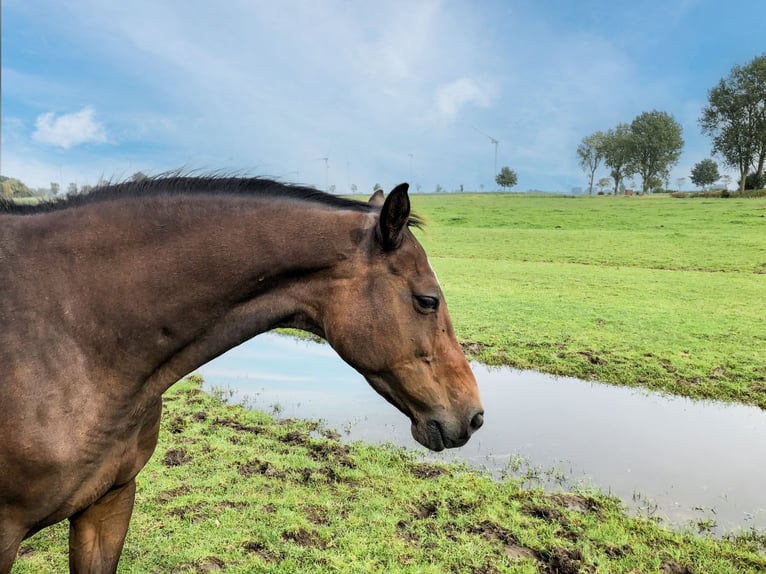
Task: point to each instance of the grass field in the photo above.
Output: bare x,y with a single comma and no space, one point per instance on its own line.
234,491
654,291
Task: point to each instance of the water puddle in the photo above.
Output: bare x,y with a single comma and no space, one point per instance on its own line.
671,457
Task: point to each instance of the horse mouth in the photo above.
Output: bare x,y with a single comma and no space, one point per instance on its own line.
432,436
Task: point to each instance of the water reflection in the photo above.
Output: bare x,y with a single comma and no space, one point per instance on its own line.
680,459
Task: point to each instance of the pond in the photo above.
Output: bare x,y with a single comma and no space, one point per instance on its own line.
672,457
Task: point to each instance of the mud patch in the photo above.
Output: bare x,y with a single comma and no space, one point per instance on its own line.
566,561
331,452
25,552
236,425
426,510
176,457
513,548
317,515
428,471
547,513
260,467
591,357
262,551
303,537
209,564
473,349
672,567
177,425
168,495
517,552
295,438
192,513
576,502
330,434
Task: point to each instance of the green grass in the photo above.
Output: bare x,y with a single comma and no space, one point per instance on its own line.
654,291
234,490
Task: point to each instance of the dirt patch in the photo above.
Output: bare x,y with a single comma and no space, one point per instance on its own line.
192,513
168,495
25,552
513,548
548,513
406,533
672,567
331,452
260,467
330,434
591,357
304,537
566,561
317,514
473,349
236,425
428,471
576,502
176,457
262,551
226,504
517,552
209,564
426,510
295,438
177,425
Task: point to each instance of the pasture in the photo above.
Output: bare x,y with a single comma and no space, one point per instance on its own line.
653,291
232,490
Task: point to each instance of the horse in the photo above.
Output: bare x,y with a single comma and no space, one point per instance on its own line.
107,299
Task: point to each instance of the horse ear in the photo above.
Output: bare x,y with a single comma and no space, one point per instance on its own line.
393,217
377,198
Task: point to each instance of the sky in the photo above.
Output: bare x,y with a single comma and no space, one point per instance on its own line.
355,93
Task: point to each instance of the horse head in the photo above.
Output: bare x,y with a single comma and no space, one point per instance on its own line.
390,322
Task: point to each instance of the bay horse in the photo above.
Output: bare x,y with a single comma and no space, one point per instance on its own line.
108,299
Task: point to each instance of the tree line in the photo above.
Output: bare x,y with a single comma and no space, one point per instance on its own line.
649,146
735,119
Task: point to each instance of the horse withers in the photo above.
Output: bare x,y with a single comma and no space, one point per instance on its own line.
108,299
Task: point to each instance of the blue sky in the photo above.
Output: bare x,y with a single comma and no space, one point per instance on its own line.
386,91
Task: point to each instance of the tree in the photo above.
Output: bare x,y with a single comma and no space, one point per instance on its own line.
735,118
591,153
12,187
617,146
507,178
656,146
603,183
704,173
55,188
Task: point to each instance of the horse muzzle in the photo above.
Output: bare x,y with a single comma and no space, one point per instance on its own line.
436,434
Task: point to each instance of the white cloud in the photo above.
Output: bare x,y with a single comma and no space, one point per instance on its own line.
450,98
69,130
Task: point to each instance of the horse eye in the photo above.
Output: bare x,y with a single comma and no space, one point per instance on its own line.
426,303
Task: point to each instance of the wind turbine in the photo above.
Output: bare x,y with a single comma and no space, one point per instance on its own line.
326,161
496,143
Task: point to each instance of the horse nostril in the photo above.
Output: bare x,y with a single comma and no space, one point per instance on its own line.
477,421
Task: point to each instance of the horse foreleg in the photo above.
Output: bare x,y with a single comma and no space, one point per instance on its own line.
9,546
96,534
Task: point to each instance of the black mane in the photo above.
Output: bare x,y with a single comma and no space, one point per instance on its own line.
189,185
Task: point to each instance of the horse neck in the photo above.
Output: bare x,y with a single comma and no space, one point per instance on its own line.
157,289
